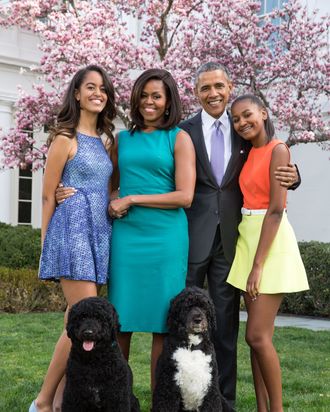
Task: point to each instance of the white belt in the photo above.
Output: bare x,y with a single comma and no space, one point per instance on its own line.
253,211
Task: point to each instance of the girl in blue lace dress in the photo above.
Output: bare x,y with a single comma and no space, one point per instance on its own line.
76,234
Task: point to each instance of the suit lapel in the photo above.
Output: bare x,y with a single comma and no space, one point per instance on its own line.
237,158
197,136
233,158
239,151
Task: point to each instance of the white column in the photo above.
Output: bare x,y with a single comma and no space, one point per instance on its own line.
37,176
8,177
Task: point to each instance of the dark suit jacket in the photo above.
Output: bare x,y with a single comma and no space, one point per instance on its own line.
212,203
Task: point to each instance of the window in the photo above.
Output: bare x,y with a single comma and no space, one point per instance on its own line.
268,6
25,196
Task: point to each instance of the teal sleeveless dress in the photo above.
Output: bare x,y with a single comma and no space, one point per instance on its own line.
149,247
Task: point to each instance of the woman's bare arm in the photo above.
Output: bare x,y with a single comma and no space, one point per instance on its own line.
185,178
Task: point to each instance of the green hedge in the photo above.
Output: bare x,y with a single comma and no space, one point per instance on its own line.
316,301
19,246
20,289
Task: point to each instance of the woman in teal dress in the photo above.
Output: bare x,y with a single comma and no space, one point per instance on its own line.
155,180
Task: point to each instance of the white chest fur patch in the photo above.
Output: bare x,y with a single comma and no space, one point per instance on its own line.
193,376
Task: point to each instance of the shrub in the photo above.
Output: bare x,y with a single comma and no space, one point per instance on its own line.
316,301
22,291
19,246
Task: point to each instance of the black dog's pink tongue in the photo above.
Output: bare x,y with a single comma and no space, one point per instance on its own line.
88,345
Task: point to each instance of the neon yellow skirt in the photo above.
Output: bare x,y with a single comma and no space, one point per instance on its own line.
283,270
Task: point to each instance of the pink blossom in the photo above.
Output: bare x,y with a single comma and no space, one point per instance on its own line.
283,57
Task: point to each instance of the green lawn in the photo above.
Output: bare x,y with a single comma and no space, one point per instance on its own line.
27,342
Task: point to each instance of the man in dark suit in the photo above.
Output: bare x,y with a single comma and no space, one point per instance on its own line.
215,214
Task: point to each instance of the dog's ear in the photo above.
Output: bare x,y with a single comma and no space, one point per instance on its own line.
70,322
172,321
177,315
203,298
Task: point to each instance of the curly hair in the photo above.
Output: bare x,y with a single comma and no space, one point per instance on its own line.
181,305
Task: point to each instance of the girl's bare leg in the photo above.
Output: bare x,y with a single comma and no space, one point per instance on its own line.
74,291
57,404
265,362
259,385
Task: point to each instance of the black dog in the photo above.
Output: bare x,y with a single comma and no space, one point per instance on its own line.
98,378
187,374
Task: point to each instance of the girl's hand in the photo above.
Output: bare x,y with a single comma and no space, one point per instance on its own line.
253,282
119,207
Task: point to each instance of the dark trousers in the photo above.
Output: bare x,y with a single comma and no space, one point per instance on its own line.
226,301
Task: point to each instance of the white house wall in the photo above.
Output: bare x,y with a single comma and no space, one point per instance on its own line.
18,51
308,206
6,176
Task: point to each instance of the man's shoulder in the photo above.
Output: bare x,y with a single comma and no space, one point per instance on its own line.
187,123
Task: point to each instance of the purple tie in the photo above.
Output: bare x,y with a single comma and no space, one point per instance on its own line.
217,158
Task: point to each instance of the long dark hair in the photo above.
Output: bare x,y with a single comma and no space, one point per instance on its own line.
173,112
269,126
69,114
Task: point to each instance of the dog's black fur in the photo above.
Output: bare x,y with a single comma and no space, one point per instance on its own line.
191,313
98,378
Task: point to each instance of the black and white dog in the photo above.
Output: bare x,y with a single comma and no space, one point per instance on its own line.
187,374
98,378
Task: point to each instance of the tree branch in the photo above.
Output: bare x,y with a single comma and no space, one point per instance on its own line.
179,23
161,32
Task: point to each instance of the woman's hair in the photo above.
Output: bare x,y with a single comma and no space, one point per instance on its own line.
269,126
69,114
173,103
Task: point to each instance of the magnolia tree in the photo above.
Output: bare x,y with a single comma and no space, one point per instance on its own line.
282,57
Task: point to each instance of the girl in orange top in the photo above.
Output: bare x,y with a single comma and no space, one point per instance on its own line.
267,262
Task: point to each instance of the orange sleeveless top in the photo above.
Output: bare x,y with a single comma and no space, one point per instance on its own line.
254,179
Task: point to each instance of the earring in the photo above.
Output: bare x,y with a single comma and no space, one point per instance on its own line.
167,112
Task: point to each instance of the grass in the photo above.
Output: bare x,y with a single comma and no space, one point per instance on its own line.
27,342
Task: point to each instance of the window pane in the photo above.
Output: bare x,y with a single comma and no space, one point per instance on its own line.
262,7
273,4
24,212
25,189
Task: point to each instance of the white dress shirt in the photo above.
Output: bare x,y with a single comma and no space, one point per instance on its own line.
207,125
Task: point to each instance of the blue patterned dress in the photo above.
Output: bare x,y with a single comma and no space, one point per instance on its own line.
77,240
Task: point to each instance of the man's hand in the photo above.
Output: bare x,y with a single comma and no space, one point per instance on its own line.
287,175
63,193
